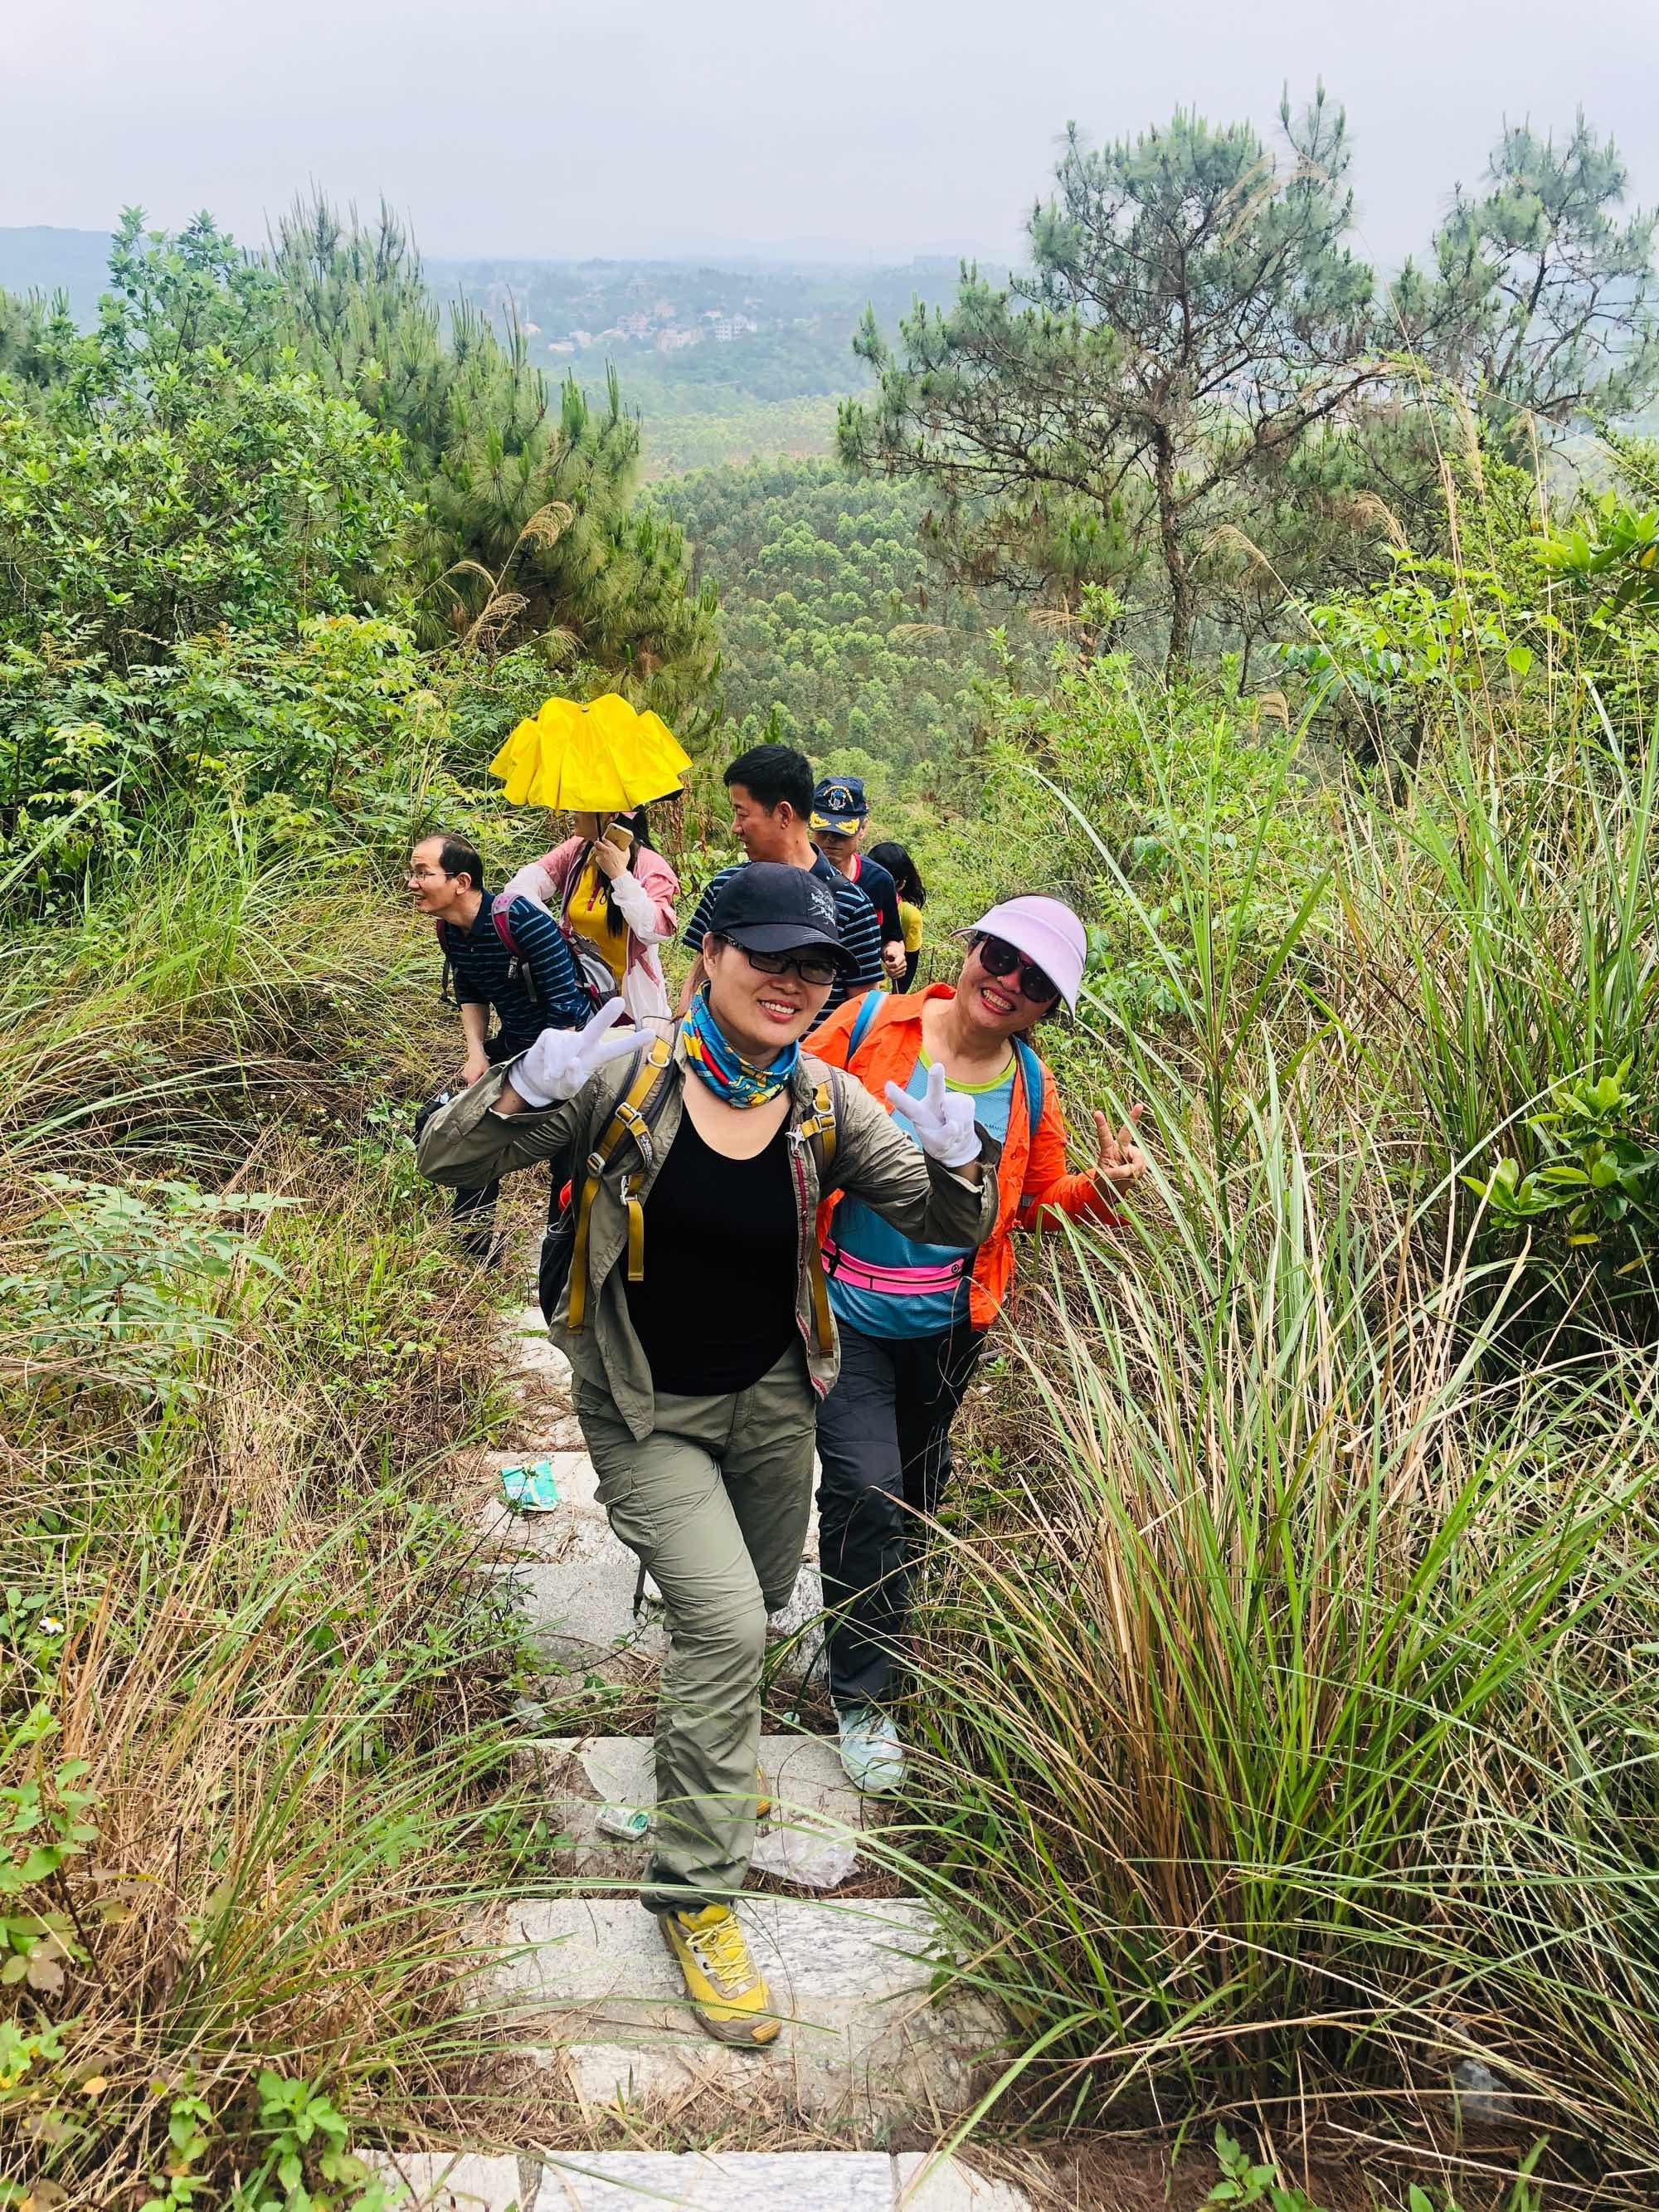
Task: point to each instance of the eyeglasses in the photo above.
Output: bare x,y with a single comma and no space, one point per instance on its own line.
811,967
1006,961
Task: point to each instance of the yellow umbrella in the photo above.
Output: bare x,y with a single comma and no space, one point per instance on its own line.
602,758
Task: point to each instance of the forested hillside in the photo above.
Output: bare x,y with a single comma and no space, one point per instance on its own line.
836,635
721,363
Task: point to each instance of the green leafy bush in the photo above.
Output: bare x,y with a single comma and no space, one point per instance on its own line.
130,1282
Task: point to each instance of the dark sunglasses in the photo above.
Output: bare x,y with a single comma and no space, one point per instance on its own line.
812,966
1004,960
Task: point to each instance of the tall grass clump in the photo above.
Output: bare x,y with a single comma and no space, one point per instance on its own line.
1284,1658
207,984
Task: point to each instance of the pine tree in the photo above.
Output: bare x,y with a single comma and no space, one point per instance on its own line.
528,528
1190,315
1545,301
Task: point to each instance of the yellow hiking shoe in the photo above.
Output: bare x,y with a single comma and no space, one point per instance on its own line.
727,1992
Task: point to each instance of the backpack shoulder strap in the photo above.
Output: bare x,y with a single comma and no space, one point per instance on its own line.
820,1129
864,1021
1032,1068
501,916
632,1116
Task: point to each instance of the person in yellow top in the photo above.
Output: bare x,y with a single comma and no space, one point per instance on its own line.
615,897
912,897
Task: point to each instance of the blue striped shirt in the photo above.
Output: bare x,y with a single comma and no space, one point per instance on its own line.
861,933
535,992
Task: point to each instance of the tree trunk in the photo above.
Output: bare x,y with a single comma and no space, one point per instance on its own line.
1181,606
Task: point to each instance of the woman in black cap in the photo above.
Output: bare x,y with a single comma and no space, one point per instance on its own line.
699,1329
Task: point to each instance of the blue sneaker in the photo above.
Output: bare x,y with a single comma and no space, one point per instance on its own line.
871,1755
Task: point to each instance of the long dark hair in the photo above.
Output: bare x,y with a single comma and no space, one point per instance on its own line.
638,827
903,869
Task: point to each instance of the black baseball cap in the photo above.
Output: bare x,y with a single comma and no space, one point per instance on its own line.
771,907
839,804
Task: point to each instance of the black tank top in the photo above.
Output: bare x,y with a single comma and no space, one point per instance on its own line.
717,1308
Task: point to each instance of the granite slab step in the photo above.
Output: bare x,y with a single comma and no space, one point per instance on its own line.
532,1353
695,2181
579,1607
547,1535
458,2181
810,1840
925,2181
718,2181
868,2037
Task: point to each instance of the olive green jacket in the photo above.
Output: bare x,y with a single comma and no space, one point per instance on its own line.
465,1144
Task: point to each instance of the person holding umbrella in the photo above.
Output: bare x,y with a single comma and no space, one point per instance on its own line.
614,893
697,1325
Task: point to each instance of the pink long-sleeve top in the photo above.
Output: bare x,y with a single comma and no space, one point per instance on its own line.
655,878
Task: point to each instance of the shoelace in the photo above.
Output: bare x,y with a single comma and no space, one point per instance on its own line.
722,1953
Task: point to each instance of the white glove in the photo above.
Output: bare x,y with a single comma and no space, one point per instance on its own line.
943,1121
534,882
561,1061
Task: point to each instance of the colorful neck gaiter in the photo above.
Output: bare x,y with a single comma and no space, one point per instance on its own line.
728,1075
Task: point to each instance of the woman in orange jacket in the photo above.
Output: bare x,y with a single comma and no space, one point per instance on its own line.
913,1317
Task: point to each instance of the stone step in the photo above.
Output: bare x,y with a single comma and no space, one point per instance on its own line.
532,1353
547,1535
695,2181
810,1840
867,2039
576,1582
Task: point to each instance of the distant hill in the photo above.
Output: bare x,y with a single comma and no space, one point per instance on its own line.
41,259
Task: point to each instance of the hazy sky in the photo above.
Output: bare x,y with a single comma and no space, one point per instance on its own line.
652,127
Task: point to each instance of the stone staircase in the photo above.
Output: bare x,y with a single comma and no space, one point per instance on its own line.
876,2045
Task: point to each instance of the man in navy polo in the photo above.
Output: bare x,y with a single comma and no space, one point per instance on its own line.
529,985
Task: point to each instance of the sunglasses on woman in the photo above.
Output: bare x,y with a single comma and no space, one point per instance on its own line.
812,966
1009,964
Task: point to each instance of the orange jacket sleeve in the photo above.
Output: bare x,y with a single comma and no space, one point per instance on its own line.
830,1043
1049,1188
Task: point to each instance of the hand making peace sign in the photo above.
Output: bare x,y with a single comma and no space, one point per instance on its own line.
1120,1161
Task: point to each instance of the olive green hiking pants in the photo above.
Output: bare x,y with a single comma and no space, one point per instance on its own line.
715,1502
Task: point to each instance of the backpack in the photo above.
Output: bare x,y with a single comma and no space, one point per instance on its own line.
634,1117
593,978
1030,1067
519,968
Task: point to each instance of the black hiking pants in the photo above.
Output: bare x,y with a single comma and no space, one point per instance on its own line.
885,1445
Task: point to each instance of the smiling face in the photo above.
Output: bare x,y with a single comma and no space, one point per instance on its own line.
431,889
761,1015
995,1004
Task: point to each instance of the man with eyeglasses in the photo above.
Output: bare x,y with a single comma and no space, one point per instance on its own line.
912,1316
